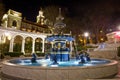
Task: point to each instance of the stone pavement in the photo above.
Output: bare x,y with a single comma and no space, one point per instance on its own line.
117,77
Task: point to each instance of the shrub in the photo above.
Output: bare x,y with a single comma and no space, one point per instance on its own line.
40,54
79,48
1,56
13,54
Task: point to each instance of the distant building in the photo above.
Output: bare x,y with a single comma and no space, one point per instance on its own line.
114,37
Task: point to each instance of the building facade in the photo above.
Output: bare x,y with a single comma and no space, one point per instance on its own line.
21,35
26,35
113,37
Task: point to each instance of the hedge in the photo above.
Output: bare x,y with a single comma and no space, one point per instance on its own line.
40,54
13,54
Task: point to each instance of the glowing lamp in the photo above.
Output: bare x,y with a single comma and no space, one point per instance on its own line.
86,34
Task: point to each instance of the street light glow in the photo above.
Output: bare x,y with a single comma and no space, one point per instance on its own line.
86,34
8,35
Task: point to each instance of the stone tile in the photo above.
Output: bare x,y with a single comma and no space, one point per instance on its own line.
57,74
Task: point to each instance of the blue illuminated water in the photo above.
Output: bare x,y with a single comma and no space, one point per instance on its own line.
48,62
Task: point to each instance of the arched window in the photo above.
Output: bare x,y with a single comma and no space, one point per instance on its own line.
14,23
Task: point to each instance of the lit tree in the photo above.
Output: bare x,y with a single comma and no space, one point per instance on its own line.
96,18
51,12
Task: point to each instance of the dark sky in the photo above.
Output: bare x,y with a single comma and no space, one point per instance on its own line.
93,10
30,8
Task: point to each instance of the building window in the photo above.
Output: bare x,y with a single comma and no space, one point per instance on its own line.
14,23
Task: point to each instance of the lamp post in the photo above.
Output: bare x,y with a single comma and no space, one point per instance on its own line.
86,34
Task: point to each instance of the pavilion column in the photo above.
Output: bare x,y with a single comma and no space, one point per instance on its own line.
11,45
33,46
0,39
43,45
23,46
71,48
52,44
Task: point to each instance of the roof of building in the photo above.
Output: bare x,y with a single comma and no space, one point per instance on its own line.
33,23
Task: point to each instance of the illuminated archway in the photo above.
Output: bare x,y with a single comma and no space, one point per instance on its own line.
38,45
28,45
17,43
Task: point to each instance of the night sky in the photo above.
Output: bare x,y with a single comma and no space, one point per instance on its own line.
87,13
30,8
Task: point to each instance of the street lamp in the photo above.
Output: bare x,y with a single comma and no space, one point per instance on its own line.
86,34
7,35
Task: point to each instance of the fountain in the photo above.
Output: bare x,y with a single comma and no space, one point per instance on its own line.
46,69
59,64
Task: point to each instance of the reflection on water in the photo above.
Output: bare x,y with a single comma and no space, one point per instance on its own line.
49,63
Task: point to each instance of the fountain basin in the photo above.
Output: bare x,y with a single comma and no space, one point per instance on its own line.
60,73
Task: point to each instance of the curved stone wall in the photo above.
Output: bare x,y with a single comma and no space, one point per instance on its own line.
60,73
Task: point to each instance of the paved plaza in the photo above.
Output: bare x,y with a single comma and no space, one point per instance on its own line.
117,77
